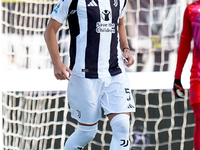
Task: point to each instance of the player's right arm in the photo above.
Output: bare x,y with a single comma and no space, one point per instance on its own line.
52,45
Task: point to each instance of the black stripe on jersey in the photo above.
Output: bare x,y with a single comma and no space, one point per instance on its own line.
93,38
113,62
74,30
125,1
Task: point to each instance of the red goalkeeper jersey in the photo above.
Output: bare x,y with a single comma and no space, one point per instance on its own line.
191,30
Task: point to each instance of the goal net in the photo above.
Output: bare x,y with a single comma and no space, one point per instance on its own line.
35,112
41,119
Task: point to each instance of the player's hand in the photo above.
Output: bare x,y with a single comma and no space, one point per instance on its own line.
60,71
128,58
178,88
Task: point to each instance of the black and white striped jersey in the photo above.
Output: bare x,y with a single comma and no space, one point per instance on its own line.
93,24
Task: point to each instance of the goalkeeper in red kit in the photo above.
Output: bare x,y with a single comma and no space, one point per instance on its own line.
191,30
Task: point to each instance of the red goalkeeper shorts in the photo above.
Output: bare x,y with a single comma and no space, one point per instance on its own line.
195,93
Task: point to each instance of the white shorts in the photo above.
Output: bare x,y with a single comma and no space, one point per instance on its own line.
86,97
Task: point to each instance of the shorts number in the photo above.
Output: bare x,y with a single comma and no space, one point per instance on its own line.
127,90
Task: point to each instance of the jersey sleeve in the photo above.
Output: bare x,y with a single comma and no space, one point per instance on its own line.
123,9
184,45
60,12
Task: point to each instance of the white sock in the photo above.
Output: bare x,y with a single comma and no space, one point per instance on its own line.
81,137
120,128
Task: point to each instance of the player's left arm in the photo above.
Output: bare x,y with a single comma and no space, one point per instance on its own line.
128,58
183,51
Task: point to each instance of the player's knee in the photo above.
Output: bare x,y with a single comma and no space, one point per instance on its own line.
196,112
197,118
89,131
120,124
81,137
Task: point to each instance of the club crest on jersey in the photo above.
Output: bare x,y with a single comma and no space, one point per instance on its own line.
115,3
79,113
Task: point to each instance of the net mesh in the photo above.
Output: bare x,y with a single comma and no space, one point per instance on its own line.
41,119
23,24
32,120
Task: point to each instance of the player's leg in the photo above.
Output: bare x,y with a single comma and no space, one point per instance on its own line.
85,108
196,109
117,103
81,136
195,103
120,127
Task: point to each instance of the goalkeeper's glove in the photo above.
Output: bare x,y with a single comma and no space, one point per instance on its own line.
178,88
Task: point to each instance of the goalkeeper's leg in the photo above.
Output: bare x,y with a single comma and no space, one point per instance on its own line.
120,127
81,137
196,109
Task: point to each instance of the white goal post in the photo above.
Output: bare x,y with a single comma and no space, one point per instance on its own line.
28,80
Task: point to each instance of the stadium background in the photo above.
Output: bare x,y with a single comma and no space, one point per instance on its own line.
35,115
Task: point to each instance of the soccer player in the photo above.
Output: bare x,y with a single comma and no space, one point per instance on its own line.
191,30
99,53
